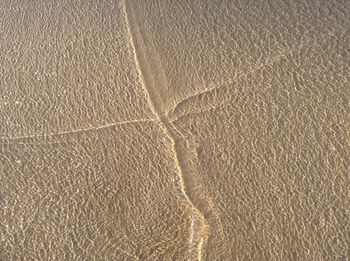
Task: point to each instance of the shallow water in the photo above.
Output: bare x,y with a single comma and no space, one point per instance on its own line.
162,130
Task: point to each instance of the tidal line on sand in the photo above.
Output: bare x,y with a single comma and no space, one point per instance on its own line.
204,228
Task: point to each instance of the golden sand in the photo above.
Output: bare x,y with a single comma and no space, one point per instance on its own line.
174,130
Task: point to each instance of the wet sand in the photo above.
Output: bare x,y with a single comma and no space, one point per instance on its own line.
174,130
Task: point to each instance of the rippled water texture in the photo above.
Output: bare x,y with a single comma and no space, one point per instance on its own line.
174,130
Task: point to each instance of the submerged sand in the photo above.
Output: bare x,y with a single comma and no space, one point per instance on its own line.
174,130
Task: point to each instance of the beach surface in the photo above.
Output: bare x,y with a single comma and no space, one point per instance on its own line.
174,130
